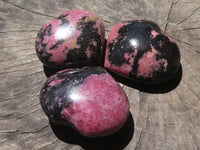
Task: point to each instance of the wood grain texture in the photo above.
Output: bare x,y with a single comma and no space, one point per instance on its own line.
167,121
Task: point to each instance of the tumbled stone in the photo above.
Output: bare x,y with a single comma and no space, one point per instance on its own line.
138,50
88,99
74,39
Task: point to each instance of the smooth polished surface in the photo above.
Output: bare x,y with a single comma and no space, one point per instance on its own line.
138,50
167,121
87,98
74,38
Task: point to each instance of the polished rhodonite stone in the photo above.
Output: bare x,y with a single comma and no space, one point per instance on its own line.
73,39
88,98
137,49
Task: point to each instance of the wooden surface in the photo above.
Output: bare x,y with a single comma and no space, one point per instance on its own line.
167,117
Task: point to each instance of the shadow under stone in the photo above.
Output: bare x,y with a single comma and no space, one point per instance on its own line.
164,87
116,141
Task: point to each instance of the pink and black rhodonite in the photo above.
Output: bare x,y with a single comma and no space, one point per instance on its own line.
73,39
137,49
88,99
